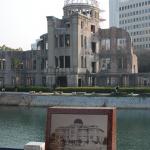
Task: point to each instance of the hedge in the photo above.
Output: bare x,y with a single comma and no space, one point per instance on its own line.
27,89
86,89
137,90
125,90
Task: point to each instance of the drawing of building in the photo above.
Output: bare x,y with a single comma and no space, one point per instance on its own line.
80,137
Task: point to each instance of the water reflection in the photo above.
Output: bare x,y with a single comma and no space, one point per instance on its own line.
133,129
19,125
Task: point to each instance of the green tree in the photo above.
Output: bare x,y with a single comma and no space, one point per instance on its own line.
6,48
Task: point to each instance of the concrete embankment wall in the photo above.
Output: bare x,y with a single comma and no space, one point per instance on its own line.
27,99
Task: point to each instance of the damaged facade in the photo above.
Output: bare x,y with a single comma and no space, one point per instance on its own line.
82,54
74,52
23,68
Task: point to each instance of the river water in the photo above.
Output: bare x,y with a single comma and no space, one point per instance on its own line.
19,125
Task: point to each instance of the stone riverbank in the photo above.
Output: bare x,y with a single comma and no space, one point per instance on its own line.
49,99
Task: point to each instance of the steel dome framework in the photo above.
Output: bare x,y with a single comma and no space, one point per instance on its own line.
90,2
89,8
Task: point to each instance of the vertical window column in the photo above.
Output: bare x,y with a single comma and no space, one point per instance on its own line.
85,62
82,41
67,40
2,64
93,47
93,67
34,64
61,40
56,41
61,61
56,62
85,42
67,61
82,62
93,28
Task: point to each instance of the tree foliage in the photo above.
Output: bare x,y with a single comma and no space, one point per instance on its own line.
15,63
6,48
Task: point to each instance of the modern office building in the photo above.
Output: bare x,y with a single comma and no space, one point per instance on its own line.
113,13
134,18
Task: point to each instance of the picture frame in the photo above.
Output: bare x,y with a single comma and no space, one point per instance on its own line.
81,128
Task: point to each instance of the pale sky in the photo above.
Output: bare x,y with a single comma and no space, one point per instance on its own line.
23,21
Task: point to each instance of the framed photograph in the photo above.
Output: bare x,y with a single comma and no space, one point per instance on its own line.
77,128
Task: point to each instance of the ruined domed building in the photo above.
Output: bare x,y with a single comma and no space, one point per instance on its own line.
82,54
74,52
